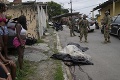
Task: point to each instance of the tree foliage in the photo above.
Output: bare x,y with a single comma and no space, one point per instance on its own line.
55,9
65,10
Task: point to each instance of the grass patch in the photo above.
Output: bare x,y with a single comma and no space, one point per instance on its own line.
40,41
58,73
27,70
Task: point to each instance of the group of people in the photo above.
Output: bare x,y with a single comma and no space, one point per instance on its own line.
19,27
84,26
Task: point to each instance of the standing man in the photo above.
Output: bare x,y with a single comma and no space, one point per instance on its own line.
84,26
71,26
107,22
79,22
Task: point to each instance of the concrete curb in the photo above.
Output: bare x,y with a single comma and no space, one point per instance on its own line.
66,72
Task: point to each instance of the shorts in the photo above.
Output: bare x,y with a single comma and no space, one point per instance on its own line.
16,42
2,73
5,32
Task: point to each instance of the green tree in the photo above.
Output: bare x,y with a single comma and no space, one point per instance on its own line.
55,9
65,10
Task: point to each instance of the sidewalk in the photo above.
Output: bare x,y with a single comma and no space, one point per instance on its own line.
66,71
43,67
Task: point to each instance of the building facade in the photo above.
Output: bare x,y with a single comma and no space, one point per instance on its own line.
113,6
4,1
33,15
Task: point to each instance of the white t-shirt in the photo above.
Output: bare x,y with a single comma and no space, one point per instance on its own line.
11,28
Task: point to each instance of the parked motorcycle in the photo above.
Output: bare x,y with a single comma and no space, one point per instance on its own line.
58,26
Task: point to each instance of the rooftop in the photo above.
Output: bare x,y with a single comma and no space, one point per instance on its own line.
65,15
104,4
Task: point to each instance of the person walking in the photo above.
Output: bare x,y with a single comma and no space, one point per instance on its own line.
84,26
107,21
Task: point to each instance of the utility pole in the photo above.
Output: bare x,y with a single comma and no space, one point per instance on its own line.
71,5
113,7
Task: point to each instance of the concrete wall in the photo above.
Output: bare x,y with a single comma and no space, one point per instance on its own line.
5,1
30,13
105,9
117,7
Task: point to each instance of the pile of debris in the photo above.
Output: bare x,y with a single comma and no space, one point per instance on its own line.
73,54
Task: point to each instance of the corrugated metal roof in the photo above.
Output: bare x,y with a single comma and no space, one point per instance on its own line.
65,15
